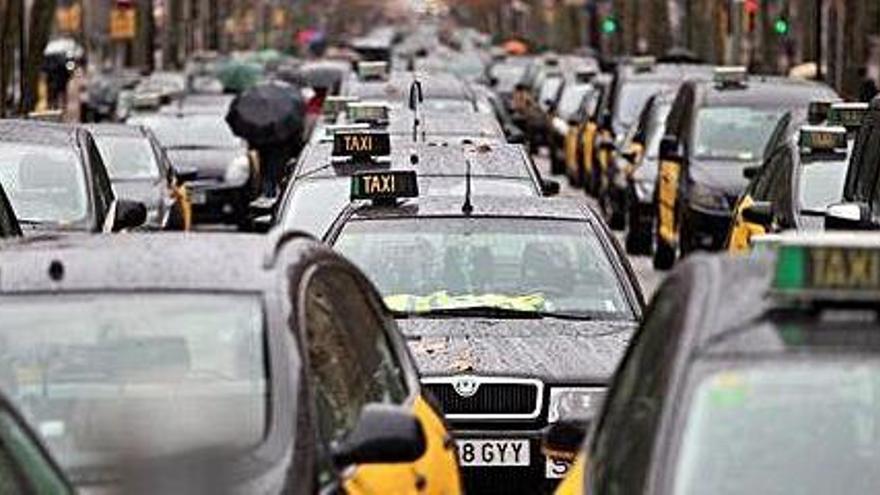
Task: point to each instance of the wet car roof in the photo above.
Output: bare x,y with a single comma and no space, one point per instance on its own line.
36,132
120,130
667,72
174,261
489,160
483,206
777,91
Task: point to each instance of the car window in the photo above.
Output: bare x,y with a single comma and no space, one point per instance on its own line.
624,440
101,183
350,358
768,176
128,157
44,184
733,133
631,99
19,448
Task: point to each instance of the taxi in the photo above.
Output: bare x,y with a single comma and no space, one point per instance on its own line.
800,178
254,361
316,191
577,100
777,371
515,309
714,131
580,149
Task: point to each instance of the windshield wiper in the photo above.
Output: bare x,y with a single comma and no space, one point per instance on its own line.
495,312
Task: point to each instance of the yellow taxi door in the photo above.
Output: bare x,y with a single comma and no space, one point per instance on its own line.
667,195
588,137
571,145
573,484
741,231
637,150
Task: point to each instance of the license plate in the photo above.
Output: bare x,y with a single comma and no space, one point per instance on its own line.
493,453
555,469
198,197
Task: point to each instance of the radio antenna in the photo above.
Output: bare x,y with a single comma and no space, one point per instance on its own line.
415,97
467,208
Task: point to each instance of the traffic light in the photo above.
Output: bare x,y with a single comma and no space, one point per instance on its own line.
608,25
781,26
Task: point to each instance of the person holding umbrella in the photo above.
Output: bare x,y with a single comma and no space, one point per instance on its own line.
270,117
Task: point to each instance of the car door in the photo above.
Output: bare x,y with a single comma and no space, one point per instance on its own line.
352,363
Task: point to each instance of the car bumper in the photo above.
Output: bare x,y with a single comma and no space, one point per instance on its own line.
705,230
531,479
218,203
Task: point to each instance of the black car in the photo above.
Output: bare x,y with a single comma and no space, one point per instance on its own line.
516,310
749,375
226,171
146,357
639,157
714,131
55,179
316,192
140,171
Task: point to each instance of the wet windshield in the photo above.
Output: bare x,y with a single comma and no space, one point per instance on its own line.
128,157
44,184
631,99
734,133
821,183
425,264
806,428
111,374
191,131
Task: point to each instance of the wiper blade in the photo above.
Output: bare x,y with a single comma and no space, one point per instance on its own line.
472,311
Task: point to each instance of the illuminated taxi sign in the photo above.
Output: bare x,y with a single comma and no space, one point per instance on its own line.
814,138
333,105
849,115
368,112
372,71
361,145
331,130
832,269
388,185
730,76
643,64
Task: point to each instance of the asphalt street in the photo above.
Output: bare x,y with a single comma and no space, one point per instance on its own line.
649,278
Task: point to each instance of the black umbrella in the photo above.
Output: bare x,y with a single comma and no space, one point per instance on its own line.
268,113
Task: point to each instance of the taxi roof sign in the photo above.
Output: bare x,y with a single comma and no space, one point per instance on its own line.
372,70
384,185
361,146
726,76
335,104
822,138
850,115
840,267
331,130
370,112
643,64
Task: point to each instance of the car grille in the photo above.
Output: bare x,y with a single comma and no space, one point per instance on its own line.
495,398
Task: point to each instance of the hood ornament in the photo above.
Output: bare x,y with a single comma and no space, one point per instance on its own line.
466,386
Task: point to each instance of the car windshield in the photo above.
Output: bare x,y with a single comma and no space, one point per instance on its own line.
45,184
572,99
104,375
549,90
529,265
190,131
807,428
128,157
734,133
821,183
631,99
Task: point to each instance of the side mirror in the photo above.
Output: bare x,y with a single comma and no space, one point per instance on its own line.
549,187
605,120
562,440
129,214
548,103
670,149
261,224
186,174
383,435
848,216
493,81
629,155
751,172
759,212
515,136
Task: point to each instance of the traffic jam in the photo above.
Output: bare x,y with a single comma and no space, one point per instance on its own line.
423,261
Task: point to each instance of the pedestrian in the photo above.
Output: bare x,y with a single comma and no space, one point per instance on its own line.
868,86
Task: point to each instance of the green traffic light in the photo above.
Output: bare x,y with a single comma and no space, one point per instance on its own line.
781,26
609,25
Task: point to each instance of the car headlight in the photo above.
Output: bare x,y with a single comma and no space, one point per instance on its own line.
238,171
644,190
706,198
574,403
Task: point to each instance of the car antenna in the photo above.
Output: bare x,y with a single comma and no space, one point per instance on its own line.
415,97
467,208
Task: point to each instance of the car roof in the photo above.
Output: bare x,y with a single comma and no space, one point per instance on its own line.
120,130
133,261
37,132
765,90
666,72
483,206
487,160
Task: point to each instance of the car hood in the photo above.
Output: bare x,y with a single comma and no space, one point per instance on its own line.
721,175
552,350
210,163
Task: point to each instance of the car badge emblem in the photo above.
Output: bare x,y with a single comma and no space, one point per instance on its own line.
466,386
